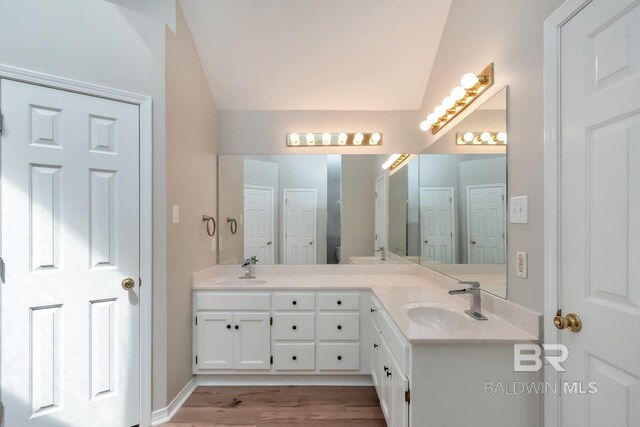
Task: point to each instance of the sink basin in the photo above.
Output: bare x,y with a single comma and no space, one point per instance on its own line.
240,282
436,315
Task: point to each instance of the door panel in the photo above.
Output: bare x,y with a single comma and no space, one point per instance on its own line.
486,224
252,342
436,221
215,340
300,226
258,224
70,235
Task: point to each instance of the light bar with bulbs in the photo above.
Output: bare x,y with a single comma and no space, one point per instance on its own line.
471,87
481,138
327,139
394,161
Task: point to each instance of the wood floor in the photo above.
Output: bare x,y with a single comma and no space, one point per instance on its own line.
280,406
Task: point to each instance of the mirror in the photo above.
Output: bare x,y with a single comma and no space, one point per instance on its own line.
404,210
301,209
463,199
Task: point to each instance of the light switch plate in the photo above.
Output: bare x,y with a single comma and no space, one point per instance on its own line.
176,214
521,264
213,245
519,210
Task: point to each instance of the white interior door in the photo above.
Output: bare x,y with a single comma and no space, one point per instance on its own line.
70,235
300,225
381,212
486,224
258,223
600,211
436,223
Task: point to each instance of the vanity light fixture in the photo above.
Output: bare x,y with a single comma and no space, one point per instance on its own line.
328,139
394,161
481,138
471,87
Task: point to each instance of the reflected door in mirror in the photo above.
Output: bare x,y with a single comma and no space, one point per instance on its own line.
437,224
259,223
300,225
486,216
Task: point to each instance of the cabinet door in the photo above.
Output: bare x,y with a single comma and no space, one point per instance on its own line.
384,379
215,340
399,408
252,342
375,355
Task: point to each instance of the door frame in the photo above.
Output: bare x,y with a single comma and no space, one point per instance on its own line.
504,220
144,104
284,221
552,189
454,234
273,213
384,178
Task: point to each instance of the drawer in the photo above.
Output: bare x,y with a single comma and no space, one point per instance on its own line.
338,326
339,301
339,357
234,301
294,357
374,310
294,301
294,326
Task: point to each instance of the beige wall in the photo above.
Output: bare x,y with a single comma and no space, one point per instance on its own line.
191,125
509,34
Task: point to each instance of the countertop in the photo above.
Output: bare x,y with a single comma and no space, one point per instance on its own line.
393,291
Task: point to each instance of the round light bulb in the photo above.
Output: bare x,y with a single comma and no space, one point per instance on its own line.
375,138
457,93
440,111
448,102
357,139
502,137
326,138
485,136
431,119
342,138
294,139
469,80
468,137
424,125
311,140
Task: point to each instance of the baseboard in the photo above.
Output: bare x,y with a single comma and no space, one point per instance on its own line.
285,380
164,415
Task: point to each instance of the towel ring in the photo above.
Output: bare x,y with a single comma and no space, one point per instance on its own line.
210,224
233,225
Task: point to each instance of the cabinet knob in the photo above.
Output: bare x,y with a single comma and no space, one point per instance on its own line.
375,345
294,302
294,327
228,326
339,327
339,302
339,357
388,373
386,369
294,358
373,310
237,327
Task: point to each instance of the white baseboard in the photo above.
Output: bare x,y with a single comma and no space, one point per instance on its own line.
164,415
285,380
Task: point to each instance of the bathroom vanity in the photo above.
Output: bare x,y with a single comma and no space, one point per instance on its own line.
395,327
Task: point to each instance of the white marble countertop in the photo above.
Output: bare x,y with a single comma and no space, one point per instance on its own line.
393,291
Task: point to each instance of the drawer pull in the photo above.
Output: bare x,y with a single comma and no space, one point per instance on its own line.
228,326
386,369
294,302
373,310
388,373
339,327
339,302
237,327
339,357
375,345
294,327
294,358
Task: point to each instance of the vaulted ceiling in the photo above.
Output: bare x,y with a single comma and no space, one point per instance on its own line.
317,54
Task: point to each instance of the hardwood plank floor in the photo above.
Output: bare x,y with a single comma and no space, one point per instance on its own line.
280,406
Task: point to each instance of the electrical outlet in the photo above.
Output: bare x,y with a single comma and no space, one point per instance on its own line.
519,210
521,264
176,214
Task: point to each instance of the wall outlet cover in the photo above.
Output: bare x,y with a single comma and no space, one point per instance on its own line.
521,265
519,210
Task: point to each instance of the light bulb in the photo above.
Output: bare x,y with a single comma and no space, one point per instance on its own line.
485,136
440,111
458,93
326,138
502,137
448,102
424,125
469,80
311,140
392,158
468,137
342,139
294,139
375,138
357,139
431,119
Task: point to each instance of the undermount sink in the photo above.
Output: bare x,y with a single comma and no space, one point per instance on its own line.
436,315
238,281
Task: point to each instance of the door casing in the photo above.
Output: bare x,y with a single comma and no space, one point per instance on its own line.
146,204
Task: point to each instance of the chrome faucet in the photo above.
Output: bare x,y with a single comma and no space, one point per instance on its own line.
249,268
473,288
383,253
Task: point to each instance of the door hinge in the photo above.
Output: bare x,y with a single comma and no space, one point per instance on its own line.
1,413
271,320
407,396
196,320
2,270
450,199
1,121
140,281
375,194
271,360
196,359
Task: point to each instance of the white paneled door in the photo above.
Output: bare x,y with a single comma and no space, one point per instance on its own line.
600,213
436,222
299,225
259,223
486,224
70,236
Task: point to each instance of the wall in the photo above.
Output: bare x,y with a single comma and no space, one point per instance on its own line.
191,128
231,204
509,34
118,44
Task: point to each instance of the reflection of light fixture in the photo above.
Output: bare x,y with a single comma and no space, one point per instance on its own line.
375,138
357,139
394,161
481,138
471,87
329,139
294,139
342,138
311,139
326,138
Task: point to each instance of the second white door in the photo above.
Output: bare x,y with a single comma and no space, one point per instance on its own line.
436,220
299,225
258,223
486,224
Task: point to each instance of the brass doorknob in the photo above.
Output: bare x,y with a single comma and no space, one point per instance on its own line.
571,321
128,284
